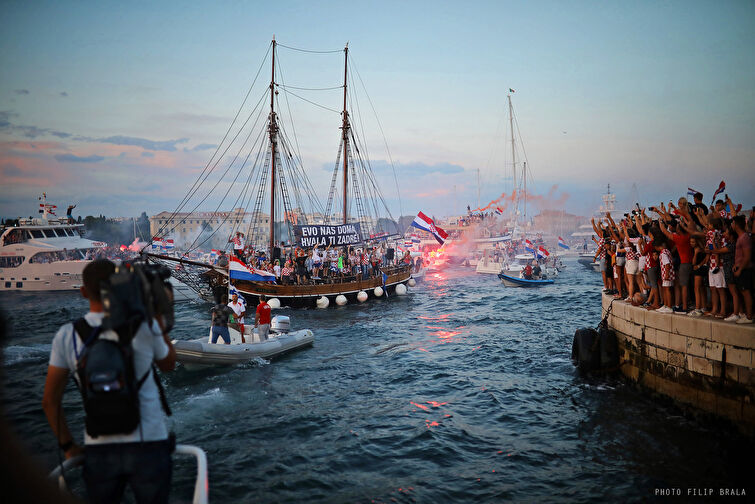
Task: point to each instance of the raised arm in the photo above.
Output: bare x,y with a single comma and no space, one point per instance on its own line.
664,229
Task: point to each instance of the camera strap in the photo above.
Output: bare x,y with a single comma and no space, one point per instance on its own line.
161,391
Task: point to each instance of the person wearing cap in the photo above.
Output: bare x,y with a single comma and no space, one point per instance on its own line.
262,318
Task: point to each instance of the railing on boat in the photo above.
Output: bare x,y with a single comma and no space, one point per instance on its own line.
200,484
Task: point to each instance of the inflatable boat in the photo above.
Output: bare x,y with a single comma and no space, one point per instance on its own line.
280,340
512,281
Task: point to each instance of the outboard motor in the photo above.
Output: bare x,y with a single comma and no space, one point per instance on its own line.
280,324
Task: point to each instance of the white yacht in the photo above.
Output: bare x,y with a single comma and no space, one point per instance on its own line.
44,254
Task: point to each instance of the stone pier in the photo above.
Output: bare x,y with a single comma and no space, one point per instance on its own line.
699,362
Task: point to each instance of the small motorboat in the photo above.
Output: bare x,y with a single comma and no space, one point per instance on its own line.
513,281
280,340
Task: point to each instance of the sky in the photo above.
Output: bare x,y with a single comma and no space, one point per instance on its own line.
118,106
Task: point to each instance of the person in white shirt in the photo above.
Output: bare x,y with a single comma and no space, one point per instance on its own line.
140,458
239,309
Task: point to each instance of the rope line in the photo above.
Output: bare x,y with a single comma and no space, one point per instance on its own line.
310,89
308,50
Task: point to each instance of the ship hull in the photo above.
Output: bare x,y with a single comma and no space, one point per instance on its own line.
306,296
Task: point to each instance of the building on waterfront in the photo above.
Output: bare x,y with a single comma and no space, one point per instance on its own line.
184,227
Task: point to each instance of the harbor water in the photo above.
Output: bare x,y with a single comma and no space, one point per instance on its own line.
461,391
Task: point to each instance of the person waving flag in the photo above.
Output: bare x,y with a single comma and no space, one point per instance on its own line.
721,188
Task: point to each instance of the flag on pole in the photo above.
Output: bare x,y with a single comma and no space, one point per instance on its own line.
425,223
511,90
721,188
541,252
528,246
562,243
237,270
168,244
499,210
691,192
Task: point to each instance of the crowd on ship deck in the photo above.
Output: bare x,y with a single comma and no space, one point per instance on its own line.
294,265
684,258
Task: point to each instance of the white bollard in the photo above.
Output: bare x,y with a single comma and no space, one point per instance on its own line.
341,300
378,291
401,289
322,302
362,296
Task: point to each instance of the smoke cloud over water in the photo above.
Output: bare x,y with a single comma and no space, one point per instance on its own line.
542,202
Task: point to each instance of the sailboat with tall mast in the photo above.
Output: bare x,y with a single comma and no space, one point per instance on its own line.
492,263
277,176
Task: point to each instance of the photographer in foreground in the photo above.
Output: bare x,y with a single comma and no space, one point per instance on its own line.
131,447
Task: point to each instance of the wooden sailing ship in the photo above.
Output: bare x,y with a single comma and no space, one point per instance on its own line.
280,181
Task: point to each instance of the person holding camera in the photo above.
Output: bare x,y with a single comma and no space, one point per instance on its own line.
140,457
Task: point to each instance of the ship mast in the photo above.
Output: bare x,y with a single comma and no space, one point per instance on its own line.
273,133
345,133
513,152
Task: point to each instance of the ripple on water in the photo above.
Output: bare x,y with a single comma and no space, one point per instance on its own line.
462,391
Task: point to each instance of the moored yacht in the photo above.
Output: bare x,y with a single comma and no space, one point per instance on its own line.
44,254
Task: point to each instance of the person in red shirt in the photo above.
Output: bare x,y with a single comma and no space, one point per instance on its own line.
684,249
262,318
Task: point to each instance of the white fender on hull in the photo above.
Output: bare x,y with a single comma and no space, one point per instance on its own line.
341,300
401,289
362,296
378,291
412,282
274,303
322,302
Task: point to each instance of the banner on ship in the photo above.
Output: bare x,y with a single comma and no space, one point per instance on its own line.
323,235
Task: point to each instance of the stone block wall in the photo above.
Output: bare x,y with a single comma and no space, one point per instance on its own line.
700,362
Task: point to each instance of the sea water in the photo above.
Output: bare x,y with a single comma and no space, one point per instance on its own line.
461,391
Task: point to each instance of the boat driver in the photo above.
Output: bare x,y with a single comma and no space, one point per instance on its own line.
528,272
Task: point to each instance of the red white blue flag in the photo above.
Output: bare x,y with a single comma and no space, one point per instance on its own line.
528,246
541,252
425,223
237,270
562,243
721,188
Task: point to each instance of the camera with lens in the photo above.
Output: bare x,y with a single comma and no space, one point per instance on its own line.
137,292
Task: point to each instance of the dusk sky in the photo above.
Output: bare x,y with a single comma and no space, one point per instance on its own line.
117,106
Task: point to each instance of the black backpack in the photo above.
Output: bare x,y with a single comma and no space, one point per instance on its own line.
108,383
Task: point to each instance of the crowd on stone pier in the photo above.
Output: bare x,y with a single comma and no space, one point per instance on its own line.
684,258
